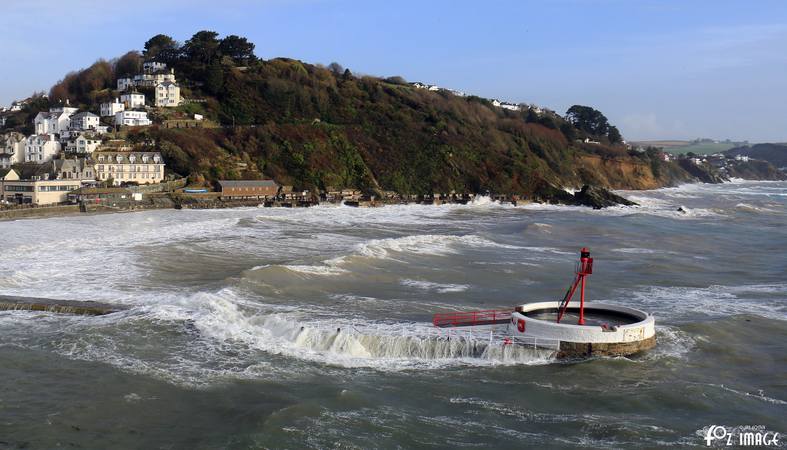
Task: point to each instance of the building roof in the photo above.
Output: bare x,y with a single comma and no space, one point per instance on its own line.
247,183
83,114
124,157
27,171
70,165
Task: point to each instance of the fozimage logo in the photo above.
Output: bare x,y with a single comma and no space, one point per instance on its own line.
740,436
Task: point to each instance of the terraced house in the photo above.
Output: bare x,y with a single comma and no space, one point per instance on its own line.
126,167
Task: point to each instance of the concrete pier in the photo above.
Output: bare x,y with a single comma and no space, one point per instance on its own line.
86,308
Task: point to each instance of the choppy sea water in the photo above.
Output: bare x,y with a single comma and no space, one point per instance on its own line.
310,328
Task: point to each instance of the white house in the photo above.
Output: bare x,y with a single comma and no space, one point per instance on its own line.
83,144
153,66
742,158
133,100
70,110
55,121
12,149
40,148
146,79
167,94
132,118
111,108
84,121
125,83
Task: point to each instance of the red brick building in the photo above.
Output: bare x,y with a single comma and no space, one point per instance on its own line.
259,189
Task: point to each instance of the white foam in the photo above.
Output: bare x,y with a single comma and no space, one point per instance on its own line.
358,343
435,287
681,303
315,269
425,244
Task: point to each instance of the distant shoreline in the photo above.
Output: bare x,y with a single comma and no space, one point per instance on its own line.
73,210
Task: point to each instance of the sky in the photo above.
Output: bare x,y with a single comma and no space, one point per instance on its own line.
670,69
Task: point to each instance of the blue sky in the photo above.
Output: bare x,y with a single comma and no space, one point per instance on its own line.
657,69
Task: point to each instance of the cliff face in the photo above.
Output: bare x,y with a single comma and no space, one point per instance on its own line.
630,173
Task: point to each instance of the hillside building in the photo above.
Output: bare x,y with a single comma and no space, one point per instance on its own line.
84,121
125,167
40,148
109,109
132,100
249,189
167,94
132,119
12,149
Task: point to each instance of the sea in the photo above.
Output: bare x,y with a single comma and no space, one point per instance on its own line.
312,327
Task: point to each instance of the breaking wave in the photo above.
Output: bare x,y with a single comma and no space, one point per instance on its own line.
345,343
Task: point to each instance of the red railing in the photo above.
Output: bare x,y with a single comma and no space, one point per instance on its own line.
471,318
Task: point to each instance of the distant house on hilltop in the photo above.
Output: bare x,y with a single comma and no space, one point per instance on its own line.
153,66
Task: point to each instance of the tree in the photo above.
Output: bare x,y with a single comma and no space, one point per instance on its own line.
158,44
336,68
203,47
587,119
238,48
128,64
614,135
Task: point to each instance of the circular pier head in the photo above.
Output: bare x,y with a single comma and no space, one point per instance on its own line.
609,330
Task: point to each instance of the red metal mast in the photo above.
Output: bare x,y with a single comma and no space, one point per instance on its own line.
584,269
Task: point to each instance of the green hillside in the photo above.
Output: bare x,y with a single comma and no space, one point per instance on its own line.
316,127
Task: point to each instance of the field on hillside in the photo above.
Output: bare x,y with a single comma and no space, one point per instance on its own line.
701,148
682,147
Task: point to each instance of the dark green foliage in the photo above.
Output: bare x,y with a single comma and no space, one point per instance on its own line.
161,48
776,154
614,135
214,79
202,48
238,48
587,119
